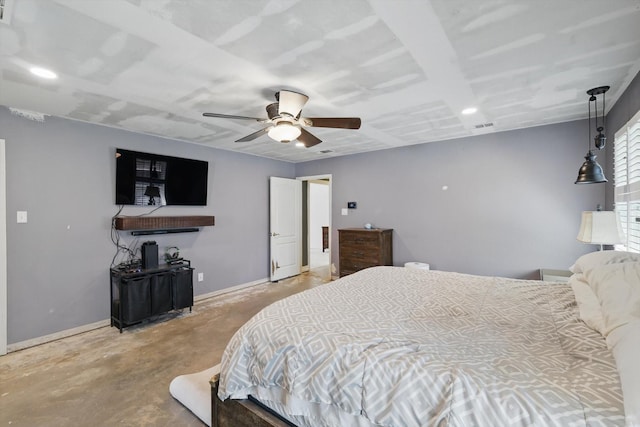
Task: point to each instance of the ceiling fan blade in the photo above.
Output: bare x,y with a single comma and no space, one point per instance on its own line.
308,139
254,135
291,102
228,116
333,122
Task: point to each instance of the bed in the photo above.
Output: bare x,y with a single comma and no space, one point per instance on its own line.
390,346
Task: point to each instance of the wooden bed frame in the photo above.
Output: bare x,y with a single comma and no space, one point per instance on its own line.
241,412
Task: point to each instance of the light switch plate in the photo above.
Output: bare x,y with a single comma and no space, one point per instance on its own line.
21,217
345,211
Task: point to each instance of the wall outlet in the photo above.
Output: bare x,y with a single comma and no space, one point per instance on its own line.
200,277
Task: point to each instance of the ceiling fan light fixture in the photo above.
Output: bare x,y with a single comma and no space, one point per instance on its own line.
284,132
284,122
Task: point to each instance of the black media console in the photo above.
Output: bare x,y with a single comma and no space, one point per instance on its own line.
139,294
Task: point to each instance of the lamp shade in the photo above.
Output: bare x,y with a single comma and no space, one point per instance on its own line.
600,227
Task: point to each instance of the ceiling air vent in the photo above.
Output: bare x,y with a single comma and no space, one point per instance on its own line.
5,11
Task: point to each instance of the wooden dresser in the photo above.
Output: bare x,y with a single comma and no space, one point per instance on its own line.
360,248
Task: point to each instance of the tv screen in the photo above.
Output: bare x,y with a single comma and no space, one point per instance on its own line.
146,179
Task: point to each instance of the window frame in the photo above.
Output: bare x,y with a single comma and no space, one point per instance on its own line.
626,182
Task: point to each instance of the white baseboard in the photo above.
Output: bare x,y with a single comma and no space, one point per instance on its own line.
107,322
199,298
57,335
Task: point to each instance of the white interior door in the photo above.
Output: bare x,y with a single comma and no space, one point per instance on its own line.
3,250
285,227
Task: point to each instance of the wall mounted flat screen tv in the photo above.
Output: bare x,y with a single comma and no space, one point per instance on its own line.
146,179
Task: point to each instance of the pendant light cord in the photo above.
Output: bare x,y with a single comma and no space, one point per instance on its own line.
604,94
589,140
595,112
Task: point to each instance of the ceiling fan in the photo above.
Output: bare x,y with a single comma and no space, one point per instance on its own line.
286,124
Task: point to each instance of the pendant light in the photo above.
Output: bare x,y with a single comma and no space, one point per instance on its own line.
591,172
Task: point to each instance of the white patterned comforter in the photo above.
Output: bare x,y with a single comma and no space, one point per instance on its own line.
390,346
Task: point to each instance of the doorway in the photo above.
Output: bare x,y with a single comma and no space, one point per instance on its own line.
316,220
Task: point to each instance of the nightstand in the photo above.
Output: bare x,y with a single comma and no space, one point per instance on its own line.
549,275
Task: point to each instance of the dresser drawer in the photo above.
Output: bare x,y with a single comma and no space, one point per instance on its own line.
356,265
359,238
359,252
360,247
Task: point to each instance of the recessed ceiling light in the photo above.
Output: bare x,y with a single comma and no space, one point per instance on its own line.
43,72
470,110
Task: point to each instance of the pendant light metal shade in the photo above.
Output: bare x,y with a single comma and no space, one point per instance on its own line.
590,172
152,191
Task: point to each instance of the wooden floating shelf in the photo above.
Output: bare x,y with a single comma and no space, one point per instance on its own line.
162,222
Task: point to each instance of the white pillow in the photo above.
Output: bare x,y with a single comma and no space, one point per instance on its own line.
625,345
617,287
588,305
595,259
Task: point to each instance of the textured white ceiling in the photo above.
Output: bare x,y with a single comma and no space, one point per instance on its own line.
406,67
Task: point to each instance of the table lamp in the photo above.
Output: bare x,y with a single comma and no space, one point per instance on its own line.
600,228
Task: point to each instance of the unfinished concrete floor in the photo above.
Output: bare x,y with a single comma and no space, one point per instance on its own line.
104,378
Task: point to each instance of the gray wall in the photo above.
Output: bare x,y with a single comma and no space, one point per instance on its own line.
511,205
622,111
63,172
